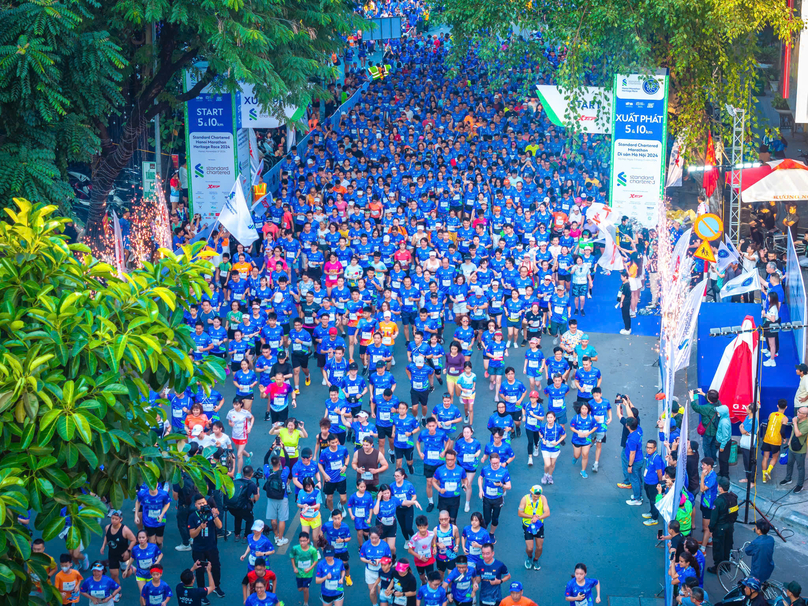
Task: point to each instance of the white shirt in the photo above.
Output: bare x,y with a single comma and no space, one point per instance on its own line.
183,177
239,419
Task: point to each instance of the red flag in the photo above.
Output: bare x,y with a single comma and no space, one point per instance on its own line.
710,176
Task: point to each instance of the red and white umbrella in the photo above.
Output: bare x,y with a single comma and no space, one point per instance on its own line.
735,377
780,180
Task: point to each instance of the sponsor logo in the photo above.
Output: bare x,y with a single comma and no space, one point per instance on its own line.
212,186
635,195
650,86
622,180
253,113
199,171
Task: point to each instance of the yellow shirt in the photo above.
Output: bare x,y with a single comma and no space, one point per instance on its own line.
773,429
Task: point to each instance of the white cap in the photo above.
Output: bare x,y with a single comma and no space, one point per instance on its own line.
258,525
197,429
418,360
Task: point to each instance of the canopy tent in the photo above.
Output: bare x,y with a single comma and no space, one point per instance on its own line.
780,180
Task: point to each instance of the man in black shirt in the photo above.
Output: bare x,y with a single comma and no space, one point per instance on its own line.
187,594
282,366
202,525
183,496
722,523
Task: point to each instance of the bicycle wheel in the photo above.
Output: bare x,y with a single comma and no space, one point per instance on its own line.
729,573
773,590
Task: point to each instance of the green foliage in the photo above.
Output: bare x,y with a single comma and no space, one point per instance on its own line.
708,47
68,68
79,351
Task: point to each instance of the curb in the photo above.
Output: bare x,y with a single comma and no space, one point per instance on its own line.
783,513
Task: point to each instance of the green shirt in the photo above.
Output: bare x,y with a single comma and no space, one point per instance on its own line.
303,560
803,427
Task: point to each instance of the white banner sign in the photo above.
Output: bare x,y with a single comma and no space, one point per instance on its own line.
639,141
588,112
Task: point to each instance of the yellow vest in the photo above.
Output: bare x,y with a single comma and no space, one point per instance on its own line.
773,429
532,509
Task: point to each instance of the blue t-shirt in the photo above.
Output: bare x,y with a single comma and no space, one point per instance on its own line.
461,585
655,463
574,589
332,586
336,537
362,508
432,446
431,597
151,506
708,496
144,559
101,589
491,594
154,596
468,453
450,480
587,379
634,444
407,424
263,544
491,477
583,424
333,462
270,599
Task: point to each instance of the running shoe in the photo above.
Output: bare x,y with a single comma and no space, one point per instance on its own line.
308,381
544,479
583,474
634,502
650,522
530,460
348,580
595,467
623,485
467,507
535,451
574,461
647,516
528,563
583,313
536,565
549,479
466,419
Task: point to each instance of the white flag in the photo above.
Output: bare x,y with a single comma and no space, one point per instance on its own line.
257,172
236,216
746,282
253,149
683,335
676,164
727,254
600,214
611,259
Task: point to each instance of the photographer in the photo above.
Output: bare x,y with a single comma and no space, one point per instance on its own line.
204,547
625,411
187,594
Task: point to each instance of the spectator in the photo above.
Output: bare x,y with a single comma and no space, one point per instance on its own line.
708,426
797,449
762,551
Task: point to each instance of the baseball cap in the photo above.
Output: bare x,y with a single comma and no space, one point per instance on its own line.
534,394
353,366
380,364
258,525
418,359
387,314
804,369
793,586
197,429
535,489
386,560
305,453
328,552
332,331
585,337
516,586
362,413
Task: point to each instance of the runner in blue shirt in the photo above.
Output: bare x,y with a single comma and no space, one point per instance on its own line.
552,435
652,476
500,446
431,594
534,364
491,569
405,426
156,592
419,374
502,419
513,392
494,480
474,536
556,394
99,586
582,427
431,446
602,411
337,536
560,309
462,582
334,462
150,510
579,589
586,379
202,342
330,573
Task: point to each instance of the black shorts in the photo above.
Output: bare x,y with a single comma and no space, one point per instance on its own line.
429,470
479,324
529,536
425,569
706,512
419,397
342,555
154,531
363,350
563,278
300,360
387,532
444,565
221,355
332,487
450,504
330,599
321,360
516,415
286,328
235,366
384,432
341,437
114,559
303,582
773,448
533,334
404,453
279,416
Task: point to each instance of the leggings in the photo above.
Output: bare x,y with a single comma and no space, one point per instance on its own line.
245,515
533,440
491,509
405,516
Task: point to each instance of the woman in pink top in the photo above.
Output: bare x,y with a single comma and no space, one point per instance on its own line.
403,256
333,270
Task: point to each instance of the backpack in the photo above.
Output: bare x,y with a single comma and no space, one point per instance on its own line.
274,486
241,495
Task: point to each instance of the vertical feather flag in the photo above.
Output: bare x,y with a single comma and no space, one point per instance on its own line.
711,175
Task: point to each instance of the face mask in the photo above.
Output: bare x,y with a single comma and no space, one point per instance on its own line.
65,568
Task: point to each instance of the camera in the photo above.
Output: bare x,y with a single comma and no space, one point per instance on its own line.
205,513
618,398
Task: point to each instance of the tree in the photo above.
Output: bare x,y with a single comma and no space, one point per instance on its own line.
79,351
70,70
708,47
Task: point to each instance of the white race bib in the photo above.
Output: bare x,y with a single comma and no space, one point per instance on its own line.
469,458
336,465
451,486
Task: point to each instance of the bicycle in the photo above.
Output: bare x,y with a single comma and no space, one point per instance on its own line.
736,569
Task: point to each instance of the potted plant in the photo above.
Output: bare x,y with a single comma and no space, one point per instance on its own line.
780,104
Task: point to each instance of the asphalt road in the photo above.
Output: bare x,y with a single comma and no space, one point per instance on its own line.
589,521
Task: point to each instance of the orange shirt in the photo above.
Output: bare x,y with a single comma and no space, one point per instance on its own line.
389,331
191,420
243,269
68,583
508,601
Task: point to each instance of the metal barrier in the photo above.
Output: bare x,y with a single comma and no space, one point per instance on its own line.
273,177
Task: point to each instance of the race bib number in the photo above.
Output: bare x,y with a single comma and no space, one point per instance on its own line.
387,520
366,475
238,357
336,465
178,413
451,486
469,458
359,512
532,363
558,309
433,455
384,416
492,491
279,400
332,585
